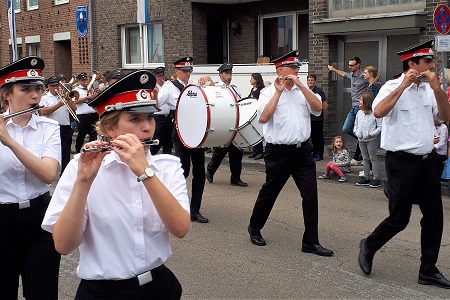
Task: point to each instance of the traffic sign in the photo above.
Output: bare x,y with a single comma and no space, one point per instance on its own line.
441,19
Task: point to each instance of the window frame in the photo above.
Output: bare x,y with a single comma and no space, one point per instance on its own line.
29,7
123,45
17,7
59,2
294,16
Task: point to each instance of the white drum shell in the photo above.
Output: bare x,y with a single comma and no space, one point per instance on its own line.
249,132
206,116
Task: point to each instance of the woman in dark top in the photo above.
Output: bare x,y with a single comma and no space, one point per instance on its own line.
258,84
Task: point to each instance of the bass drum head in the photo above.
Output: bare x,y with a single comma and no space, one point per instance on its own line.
191,116
247,110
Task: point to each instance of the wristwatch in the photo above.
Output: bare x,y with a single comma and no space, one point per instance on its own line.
148,173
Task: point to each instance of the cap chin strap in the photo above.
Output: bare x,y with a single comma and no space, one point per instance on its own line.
122,106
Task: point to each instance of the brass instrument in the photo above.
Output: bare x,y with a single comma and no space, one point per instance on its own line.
25,111
69,96
91,84
109,146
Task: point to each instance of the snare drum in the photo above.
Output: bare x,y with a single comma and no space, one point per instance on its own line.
249,132
206,116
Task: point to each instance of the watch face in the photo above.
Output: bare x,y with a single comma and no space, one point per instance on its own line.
149,171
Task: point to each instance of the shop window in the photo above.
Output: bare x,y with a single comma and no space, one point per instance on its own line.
280,34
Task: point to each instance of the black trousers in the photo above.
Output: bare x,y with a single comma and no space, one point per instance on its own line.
317,138
163,132
66,133
282,162
409,178
235,155
197,156
27,251
86,126
163,286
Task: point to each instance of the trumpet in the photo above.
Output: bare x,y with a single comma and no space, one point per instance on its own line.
109,147
32,109
71,96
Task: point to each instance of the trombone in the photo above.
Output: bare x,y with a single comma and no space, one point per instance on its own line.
69,96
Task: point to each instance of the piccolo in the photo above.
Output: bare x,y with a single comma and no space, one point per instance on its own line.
25,111
109,147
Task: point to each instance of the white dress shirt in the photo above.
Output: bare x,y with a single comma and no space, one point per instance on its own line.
165,110
83,108
41,137
169,95
291,122
409,126
123,233
61,115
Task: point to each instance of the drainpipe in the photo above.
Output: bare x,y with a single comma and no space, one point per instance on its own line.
91,29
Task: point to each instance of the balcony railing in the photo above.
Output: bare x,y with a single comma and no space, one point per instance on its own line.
351,8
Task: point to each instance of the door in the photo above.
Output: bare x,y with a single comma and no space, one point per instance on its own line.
217,41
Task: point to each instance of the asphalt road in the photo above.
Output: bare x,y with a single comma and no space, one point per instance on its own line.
217,260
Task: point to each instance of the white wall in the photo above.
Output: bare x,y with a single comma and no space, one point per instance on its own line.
242,73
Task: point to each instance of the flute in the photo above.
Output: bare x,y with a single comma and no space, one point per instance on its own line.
25,111
109,147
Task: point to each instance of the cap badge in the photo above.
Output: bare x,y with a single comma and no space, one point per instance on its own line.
32,73
33,62
142,95
144,78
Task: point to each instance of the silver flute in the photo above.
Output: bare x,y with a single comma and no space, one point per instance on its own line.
25,111
109,147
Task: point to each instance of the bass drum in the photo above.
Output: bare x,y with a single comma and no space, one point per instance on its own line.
249,132
206,116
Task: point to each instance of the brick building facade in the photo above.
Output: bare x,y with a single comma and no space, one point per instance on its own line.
49,31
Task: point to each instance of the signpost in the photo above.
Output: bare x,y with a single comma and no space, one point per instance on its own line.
441,20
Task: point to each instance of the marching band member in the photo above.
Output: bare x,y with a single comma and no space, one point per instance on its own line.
86,114
235,154
284,110
30,153
169,94
55,109
119,206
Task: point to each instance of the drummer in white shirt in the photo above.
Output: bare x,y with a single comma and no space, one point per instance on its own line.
169,94
235,154
119,206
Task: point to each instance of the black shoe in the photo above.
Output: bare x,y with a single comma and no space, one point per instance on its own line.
199,218
259,156
252,156
239,183
365,258
316,249
256,237
436,279
209,177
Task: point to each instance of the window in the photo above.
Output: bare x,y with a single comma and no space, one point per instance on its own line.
57,2
153,46
19,52
32,4
16,6
280,34
350,8
34,50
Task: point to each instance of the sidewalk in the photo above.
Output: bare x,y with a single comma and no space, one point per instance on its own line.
353,176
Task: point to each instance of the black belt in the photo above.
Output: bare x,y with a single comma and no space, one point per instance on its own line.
411,156
134,282
63,126
286,146
90,115
24,204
